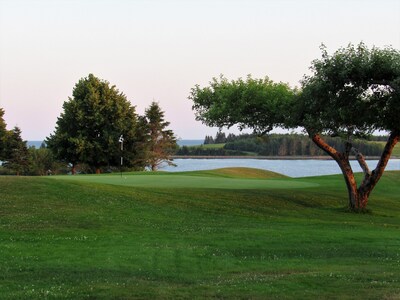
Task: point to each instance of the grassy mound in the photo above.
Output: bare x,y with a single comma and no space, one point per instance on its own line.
239,172
227,178
78,239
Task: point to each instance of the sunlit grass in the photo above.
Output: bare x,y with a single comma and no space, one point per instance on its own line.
79,239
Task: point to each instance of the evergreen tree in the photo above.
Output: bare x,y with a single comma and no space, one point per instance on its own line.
16,152
139,156
3,134
220,137
208,140
161,141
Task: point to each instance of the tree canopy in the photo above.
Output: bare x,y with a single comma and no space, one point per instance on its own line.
350,93
260,104
94,118
353,92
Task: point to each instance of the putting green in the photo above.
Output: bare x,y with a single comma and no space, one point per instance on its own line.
182,181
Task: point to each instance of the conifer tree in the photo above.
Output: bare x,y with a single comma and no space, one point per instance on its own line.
16,152
161,141
3,134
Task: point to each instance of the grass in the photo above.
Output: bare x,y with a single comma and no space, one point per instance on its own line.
396,150
100,237
212,146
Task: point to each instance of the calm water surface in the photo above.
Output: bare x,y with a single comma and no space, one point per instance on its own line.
292,168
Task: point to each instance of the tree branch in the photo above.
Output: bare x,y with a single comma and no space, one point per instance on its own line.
361,161
316,138
394,137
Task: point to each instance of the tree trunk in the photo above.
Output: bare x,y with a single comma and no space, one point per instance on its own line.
98,171
358,196
73,170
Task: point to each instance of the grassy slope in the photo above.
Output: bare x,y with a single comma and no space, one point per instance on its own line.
212,146
396,151
77,239
226,178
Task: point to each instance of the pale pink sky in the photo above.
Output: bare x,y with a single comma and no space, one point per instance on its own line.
158,50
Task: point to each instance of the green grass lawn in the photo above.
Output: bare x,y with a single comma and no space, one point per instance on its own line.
205,234
212,146
396,150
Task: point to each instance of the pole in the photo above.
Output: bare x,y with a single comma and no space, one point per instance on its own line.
121,140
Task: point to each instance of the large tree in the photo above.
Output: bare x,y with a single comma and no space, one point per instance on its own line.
350,94
93,120
161,141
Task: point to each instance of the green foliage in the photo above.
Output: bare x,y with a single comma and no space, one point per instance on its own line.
294,144
42,162
94,118
208,140
16,153
220,137
259,104
80,240
3,134
208,150
161,141
352,92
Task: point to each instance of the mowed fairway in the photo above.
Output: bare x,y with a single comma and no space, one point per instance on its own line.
207,234
220,179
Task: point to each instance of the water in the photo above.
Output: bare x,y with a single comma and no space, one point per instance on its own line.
292,168
189,142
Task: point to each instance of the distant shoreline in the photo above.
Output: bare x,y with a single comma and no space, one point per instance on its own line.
269,157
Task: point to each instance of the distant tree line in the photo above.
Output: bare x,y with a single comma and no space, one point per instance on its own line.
277,145
203,151
220,138
293,145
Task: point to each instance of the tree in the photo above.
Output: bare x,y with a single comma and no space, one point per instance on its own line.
350,94
94,118
220,137
16,152
161,141
259,104
138,159
41,161
208,140
3,134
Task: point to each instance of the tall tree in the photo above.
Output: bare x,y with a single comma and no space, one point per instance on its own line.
94,118
161,141
350,94
16,152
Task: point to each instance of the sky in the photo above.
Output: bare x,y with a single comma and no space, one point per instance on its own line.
157,50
